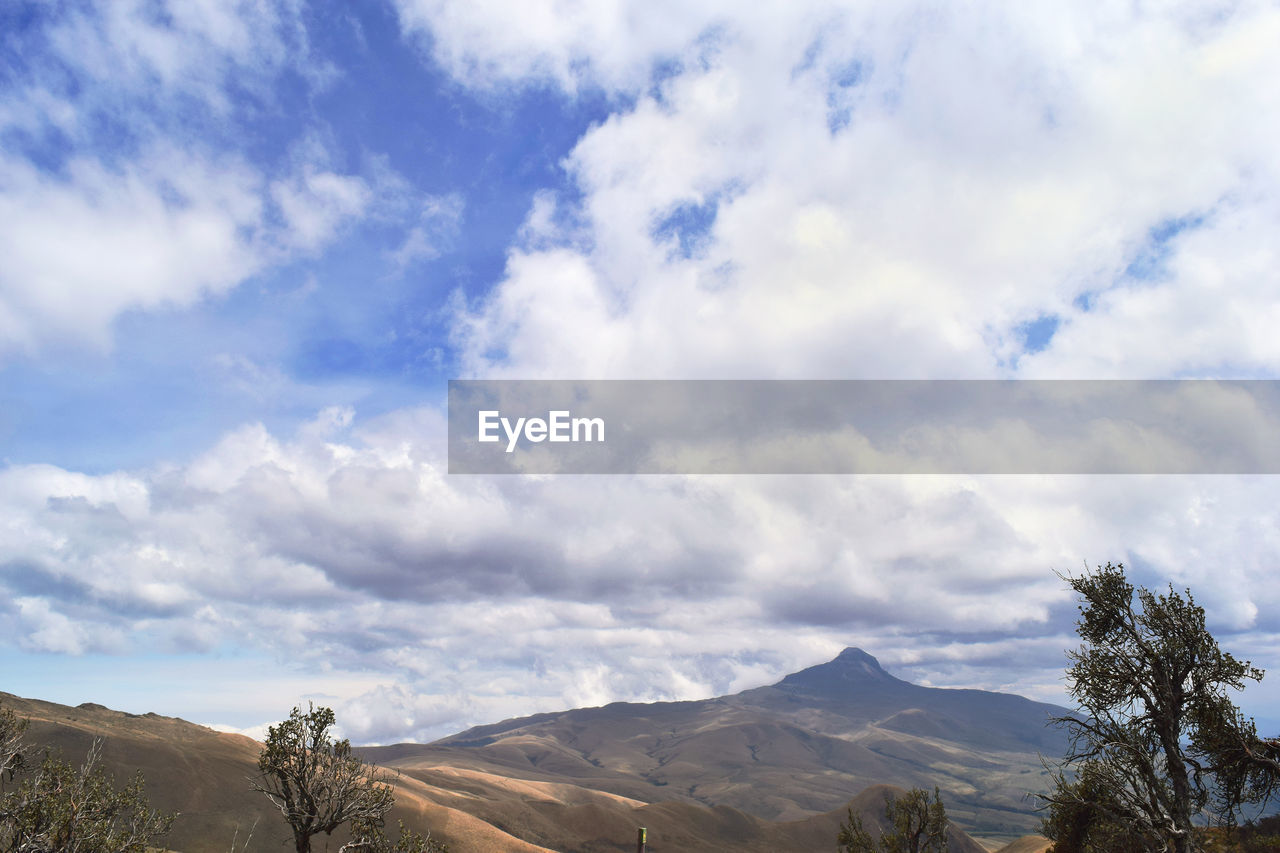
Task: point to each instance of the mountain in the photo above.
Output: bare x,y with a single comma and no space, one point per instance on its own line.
769,770
781,753
203,775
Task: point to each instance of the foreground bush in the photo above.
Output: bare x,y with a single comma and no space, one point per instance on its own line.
56,807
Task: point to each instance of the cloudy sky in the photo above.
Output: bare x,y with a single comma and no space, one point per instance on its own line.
245,245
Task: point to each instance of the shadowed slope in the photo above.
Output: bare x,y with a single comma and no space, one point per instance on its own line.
783,752
203,775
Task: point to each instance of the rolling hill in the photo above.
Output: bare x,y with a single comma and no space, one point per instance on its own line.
203,775
771,769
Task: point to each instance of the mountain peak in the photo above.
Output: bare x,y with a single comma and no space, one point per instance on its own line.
856,656
852,670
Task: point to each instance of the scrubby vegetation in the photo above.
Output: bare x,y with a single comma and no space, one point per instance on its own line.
916,826
50,805
53,806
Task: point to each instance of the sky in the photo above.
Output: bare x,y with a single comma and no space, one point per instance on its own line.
245,245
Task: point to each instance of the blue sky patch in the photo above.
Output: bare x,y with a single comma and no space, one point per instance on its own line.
688,225
1149,262
370,304
840,97
1038,333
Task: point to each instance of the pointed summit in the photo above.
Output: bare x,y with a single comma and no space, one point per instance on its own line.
852,671
857,657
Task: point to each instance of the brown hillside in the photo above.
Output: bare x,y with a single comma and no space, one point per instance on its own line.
203,775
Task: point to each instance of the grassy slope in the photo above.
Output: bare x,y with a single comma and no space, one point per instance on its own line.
203,774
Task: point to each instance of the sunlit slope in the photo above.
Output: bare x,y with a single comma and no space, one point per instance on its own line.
204,775
785,752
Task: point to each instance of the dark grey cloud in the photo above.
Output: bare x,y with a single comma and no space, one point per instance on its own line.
560,591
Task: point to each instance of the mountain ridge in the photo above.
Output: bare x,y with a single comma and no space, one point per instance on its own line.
785,751
767,769
201,773
851,669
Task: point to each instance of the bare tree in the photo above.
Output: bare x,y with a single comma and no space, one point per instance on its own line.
316,782
12,745
1156,736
